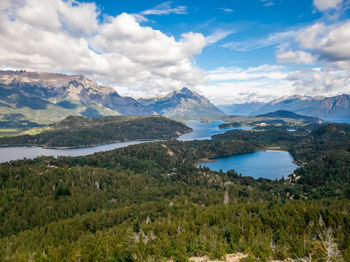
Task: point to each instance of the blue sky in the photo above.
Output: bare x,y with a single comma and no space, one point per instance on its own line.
248,20
231,51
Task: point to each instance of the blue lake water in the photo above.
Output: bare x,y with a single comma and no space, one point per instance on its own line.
266,164
13,153
337,120
203,130
200,131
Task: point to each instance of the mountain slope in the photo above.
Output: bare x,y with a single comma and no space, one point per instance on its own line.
183,104
46,97
324,107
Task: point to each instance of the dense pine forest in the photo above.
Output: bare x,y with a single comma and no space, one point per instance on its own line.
78,131
149,202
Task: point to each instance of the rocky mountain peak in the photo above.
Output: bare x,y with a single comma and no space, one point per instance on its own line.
186,90
183,104
21,89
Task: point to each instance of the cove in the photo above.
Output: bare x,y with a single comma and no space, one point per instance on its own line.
259,164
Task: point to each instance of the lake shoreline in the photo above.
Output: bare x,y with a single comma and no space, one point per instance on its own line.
211,159
261,163
79,147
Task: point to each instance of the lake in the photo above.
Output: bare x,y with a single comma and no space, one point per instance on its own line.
203,130
337,120
266,164
200,131
13,153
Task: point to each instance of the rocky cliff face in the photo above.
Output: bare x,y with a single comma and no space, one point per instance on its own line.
183,104
22,92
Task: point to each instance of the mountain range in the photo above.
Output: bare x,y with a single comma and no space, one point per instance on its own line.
47,97
37,98
30,99
183,104
324,107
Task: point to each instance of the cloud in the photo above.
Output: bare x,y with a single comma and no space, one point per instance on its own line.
233,84
317,43
227,85
325,5
320,81
71,16
275,39
165,9
267,3
66,36
295,57
227,10
329,42
217,36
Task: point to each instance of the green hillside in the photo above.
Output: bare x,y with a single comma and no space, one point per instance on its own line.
77,131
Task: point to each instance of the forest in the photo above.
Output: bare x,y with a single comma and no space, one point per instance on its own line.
149,202
78,131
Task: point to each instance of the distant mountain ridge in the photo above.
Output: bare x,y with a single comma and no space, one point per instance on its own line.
183,104
323,107
287,114
241,109
50,97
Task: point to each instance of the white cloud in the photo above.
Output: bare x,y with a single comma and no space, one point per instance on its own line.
320,81
275,39
236,73
227,10
74,17
267,3
324,5
228,85
165,9
217,36
79,18
330,42
237,85
317,43
65,36
295,57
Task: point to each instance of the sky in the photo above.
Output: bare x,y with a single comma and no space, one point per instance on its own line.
231,51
